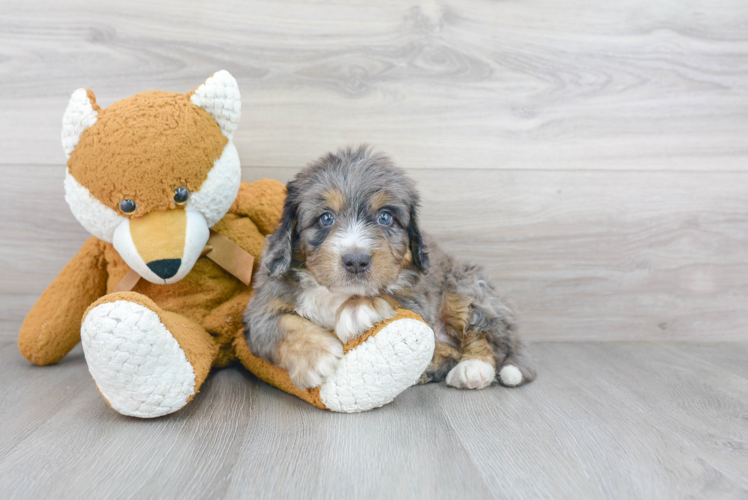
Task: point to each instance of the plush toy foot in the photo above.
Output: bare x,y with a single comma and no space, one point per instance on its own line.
375,367
138,365
377,370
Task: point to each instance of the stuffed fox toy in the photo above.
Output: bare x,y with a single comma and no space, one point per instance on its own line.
156,296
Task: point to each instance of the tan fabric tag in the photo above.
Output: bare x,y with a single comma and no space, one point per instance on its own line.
221,250
231,257
128,282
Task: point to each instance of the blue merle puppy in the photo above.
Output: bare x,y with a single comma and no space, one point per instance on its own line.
348,251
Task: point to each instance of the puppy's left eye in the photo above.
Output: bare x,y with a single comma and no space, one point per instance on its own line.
326,219
385,218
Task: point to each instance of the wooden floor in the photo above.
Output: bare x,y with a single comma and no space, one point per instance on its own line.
603,420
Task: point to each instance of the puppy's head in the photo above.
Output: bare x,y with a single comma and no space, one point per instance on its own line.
350,219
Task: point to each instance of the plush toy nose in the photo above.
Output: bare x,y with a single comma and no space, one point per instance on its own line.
356,262
165,268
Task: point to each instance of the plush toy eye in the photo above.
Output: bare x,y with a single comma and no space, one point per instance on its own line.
326,219
385,218
128,206
181,195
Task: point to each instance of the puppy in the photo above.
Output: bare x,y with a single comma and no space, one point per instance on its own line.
348,251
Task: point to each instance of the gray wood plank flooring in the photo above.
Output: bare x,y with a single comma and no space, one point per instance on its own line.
603,420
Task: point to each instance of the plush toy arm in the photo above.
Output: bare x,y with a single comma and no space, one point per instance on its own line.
261,201
53,325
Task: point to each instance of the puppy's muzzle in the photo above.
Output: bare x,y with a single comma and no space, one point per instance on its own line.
356,263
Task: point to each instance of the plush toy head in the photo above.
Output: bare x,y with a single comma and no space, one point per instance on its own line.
153,172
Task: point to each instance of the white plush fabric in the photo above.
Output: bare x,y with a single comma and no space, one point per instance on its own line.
219,190
97,218
220,97
382,367
135,361
79,116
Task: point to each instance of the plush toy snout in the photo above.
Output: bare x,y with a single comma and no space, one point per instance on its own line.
162,246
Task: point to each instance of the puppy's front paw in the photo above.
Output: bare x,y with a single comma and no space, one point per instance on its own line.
471,374
359,314
310,363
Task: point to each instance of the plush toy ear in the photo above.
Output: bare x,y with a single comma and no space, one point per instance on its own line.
81,113
220,97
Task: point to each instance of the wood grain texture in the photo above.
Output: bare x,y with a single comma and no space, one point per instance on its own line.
630,420
624,84
584,255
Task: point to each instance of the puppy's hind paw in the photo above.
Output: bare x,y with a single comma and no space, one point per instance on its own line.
510,375
471,374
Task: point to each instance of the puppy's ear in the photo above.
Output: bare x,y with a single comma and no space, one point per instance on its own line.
280,245
417,249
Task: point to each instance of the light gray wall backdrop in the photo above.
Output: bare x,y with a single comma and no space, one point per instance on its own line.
592,155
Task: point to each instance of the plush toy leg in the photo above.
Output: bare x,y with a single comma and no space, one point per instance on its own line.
146,362
375,368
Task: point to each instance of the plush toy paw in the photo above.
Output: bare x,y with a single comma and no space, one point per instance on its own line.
377,370
471,374
138,364
376,367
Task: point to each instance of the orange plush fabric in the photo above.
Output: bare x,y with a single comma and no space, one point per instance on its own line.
162,130
53,326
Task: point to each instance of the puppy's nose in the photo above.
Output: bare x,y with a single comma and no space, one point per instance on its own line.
165,268
356,262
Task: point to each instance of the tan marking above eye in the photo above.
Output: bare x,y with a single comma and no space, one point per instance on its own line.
335,199
160,235
379,200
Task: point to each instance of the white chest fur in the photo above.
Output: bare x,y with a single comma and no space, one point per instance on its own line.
319,305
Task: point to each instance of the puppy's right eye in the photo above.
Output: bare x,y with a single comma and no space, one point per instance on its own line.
128,206
326,219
